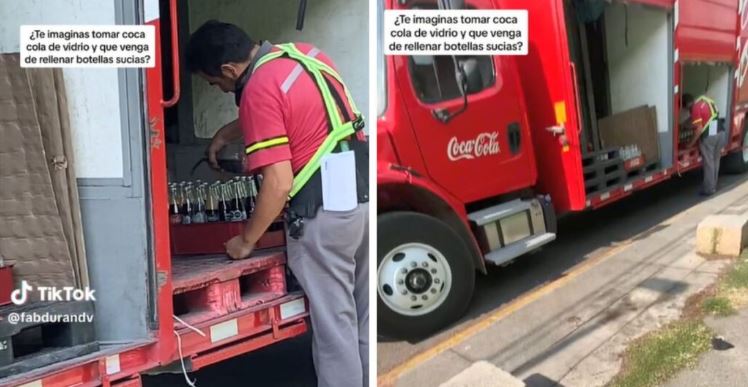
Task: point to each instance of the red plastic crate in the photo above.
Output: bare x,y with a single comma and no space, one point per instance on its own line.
634,163
209,238
6,284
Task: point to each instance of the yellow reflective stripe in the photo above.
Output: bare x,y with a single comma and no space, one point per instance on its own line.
327,69
338,131
327,147
311,64
266,144
290,48
712,109
266,58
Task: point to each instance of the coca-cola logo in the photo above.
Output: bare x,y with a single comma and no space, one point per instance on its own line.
484,144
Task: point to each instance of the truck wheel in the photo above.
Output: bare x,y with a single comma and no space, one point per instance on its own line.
737,162
425,277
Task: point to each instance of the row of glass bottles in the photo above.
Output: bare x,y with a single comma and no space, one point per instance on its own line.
199,202
629,152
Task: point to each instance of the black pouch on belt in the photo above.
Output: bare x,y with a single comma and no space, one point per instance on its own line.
308,200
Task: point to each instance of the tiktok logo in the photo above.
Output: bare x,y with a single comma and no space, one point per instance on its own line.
52,294
19,296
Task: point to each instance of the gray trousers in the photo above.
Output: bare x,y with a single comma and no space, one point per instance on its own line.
711,148
331,262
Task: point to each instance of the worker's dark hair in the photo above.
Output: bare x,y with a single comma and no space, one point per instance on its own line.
216,43
686,100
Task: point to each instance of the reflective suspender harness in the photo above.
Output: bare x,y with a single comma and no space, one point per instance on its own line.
338,129
712,110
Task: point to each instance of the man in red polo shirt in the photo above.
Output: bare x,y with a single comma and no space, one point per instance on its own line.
284,120
704,119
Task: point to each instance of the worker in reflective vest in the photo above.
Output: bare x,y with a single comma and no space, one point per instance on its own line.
302,131
704,119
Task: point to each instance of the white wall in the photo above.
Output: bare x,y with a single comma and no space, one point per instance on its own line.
710,80
93,94
338,27
639,72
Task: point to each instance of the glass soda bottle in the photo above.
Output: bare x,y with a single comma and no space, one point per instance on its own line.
175,211
212,204
239,212
249,193
187,206
199,216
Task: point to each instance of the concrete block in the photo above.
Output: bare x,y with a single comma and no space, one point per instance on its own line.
722,235
483,374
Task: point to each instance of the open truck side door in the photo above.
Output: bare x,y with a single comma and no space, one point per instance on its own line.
483,137
548,79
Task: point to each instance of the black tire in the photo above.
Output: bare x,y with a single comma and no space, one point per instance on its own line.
399,228
736,163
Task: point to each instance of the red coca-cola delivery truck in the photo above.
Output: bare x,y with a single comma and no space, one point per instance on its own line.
478,155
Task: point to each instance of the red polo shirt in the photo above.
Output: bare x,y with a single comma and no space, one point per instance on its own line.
701,112
286,110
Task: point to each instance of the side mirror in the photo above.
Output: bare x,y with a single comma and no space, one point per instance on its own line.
469,76
452,4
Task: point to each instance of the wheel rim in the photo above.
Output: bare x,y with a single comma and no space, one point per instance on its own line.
745,147
414,279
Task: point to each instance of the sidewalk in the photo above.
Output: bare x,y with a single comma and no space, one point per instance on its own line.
727,368
574,335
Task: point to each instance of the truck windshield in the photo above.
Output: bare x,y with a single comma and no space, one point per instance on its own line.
381,83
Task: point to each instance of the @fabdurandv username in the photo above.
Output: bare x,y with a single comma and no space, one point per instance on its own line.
48,317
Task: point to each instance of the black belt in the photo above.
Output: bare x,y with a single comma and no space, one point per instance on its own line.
308,200
720,128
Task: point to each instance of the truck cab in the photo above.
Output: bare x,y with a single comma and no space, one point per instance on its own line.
457,167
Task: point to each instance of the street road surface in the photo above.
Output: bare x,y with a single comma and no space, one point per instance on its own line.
581,237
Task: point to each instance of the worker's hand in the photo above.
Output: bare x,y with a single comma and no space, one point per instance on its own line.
215,146
224,136
238,248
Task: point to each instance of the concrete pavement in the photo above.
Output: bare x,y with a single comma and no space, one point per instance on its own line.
727,368
574,335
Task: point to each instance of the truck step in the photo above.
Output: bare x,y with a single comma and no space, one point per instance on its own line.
210,286
58,333
514,250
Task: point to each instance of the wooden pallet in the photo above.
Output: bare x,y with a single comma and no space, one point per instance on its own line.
646,169
210,286
602,174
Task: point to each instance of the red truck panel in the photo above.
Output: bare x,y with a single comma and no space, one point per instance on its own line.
548,83
474,145
742,68
706,30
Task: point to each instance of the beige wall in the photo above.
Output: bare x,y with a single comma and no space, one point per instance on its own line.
94,110
338,27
